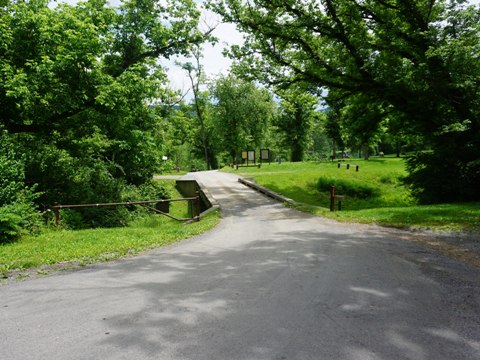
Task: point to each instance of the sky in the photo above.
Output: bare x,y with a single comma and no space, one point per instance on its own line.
213,61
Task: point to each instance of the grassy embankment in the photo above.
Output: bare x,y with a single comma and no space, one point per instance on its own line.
63,248
381,199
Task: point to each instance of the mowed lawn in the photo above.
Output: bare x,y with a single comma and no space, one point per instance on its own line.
377,193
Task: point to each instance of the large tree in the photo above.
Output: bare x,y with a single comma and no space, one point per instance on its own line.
196,74
295,120
241,113
419,57
78,85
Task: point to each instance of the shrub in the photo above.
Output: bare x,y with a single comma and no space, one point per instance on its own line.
17,210
16,219
115,215
347,187
390,178
197,165
12,176
151,190
10,228
435,177
67,179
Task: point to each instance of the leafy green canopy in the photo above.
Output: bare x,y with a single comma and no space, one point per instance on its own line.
295,120
416,59
78,85
241,113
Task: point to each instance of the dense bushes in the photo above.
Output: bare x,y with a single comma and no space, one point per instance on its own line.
17,219
115,215
347,187
435,177
17,211
82,105
82,175
54,175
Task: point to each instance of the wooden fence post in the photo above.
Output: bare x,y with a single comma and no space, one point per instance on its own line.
56,211
198,206
332,198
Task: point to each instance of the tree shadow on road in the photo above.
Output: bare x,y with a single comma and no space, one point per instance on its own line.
299,295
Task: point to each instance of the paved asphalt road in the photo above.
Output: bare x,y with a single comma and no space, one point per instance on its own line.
267,283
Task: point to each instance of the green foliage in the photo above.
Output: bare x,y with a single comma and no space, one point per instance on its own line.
179,133
319,144
197,165
434,178
10,226
17,212
333,129
151,190
241,113
12,177
200,103
352,188
20,217
407,67
77,88
67,180
362,119
71,180
112,216
185,142
295,121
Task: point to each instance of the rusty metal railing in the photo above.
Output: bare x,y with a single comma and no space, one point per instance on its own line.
194,207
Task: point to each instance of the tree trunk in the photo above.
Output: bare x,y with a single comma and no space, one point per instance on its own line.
198,110
365,152
297,152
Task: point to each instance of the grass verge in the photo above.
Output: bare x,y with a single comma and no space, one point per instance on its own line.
456,217
390,204
55,248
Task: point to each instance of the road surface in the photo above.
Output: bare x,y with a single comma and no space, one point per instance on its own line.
267,283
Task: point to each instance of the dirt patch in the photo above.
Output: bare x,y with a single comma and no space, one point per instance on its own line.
34,273
463,247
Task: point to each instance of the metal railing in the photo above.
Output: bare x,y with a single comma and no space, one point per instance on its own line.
193,203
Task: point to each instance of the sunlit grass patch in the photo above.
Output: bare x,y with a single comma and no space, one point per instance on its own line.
374,194
57,245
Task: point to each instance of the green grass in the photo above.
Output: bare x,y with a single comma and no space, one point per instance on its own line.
56,246
459,217
392,205
173,172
